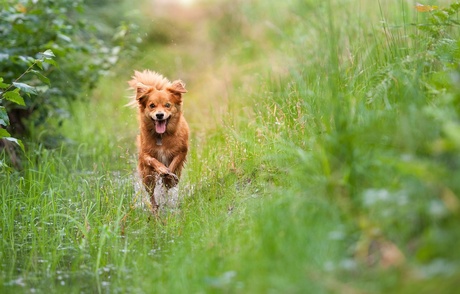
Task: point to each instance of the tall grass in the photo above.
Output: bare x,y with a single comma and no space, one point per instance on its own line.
333,168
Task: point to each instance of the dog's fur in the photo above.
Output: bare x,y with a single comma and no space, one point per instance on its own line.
164,132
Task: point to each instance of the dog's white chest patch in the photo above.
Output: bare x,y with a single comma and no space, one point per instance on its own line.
163,158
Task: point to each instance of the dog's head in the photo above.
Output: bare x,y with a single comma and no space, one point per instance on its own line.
159,100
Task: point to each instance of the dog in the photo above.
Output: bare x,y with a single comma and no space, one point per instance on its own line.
164,132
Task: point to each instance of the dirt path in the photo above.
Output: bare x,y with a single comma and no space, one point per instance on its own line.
194,60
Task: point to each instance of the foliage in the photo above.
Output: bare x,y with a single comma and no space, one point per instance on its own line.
28,27
14,96
374,128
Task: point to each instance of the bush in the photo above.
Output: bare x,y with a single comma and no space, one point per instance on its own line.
29,27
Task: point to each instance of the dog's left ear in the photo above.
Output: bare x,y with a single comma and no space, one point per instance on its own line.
177,88
142,90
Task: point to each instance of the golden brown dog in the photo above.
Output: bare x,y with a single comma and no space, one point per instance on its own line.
164,132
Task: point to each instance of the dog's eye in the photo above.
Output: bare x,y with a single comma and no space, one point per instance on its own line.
167,105
152,106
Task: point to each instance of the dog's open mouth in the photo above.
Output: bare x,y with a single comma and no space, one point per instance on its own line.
160,126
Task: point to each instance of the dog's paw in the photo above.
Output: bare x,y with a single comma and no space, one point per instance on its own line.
163,170
170,180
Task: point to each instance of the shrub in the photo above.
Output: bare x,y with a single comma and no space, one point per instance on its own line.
28,27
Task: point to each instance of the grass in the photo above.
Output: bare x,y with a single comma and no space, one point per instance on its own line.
324,159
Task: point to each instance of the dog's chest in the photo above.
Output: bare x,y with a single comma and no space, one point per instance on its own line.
162,156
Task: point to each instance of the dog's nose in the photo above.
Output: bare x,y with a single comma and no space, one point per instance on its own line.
160,115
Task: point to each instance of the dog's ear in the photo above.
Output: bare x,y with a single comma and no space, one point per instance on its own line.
177,87
142,91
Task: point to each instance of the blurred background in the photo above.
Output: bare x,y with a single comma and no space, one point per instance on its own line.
324,150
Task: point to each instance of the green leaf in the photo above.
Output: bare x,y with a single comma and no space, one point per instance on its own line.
47,58
14,140
41,76
3,85
4,133
4,119
64,38
48,54
39,63
14,96
6,136
25,88
27,60
50,61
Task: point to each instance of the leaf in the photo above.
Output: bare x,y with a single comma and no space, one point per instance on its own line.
4,133
4,119
27,59
41,77
39,63
14,140
48,54
3,85
46,57
14,96
64,37
6,136
50,61
25,88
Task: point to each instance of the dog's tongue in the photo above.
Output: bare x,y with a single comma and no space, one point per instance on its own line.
160,126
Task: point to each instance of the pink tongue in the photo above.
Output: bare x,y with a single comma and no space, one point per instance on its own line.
160,126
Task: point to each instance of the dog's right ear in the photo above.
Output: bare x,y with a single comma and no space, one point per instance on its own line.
177,88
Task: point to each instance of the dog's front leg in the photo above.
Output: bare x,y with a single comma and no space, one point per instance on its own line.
157,165
170,179
178,163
